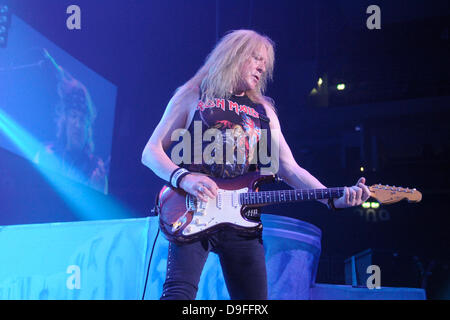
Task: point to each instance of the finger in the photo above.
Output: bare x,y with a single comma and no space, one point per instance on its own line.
347,195
358,195
352,197
201,196
366,192
207,191
211,187
361,180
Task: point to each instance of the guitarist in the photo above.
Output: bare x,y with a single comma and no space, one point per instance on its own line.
226,93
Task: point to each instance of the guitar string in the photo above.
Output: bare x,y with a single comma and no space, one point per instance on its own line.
294,195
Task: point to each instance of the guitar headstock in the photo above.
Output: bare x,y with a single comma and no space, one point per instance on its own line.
386,194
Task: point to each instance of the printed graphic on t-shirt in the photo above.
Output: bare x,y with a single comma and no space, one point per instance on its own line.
239,125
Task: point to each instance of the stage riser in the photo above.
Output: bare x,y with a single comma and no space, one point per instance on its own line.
108,260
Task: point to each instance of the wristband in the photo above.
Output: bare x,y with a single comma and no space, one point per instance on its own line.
176,176
184,174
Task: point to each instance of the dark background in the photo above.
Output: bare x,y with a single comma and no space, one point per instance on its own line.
392,118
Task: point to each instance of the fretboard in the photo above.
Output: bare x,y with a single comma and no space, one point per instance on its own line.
284,196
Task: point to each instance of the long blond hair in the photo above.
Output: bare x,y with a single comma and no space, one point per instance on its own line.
220,74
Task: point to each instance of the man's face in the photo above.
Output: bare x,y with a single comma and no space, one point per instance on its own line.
76,129
253,69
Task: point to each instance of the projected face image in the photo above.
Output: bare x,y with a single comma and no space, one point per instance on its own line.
59,103
76,129
76,115
72,153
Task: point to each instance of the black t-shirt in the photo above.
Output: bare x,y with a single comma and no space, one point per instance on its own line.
231,149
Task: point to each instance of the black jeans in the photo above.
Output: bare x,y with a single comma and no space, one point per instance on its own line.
241,257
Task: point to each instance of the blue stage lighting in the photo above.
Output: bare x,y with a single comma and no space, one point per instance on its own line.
87,205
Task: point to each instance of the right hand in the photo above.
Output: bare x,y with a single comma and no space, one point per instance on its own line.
199,186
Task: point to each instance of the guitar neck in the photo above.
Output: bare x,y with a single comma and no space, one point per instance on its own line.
285,196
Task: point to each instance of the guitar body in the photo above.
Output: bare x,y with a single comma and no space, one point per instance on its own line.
183,219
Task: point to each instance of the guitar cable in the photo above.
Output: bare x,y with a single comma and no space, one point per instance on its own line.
149,263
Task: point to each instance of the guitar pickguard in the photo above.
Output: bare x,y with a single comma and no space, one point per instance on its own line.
225,208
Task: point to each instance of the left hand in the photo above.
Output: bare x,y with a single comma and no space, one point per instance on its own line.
353,196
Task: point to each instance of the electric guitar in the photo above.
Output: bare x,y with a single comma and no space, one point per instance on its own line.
183,218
